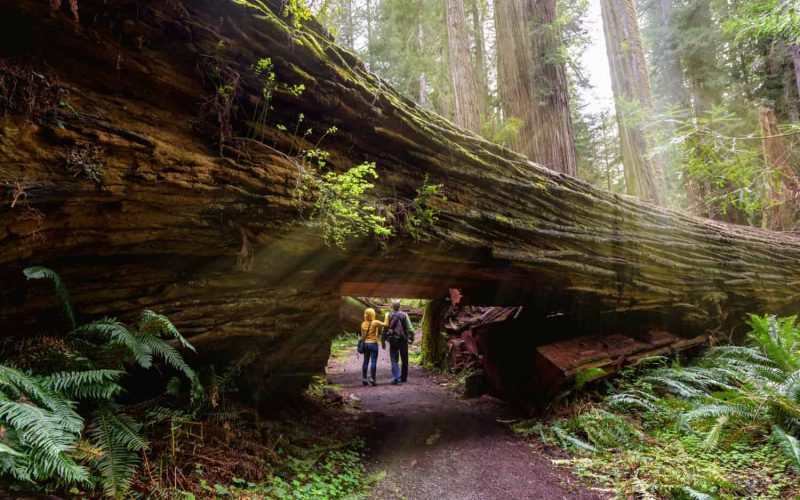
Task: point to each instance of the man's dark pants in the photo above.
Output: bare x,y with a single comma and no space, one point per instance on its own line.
402,352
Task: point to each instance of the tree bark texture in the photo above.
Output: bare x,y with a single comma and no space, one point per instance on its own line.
633,99
514,70
795,48
480,58
434,342
783,186
465,94
215,241
554,140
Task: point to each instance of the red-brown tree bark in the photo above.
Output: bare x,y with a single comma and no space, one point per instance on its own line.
465,94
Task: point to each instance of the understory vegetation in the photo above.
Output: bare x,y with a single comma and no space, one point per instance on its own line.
723,426
107,409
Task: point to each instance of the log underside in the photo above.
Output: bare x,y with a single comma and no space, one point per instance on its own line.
215,241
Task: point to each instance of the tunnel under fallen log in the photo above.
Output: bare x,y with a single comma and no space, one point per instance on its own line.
194,212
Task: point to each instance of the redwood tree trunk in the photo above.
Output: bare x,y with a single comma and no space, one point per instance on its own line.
783,186
554,140
514,70
632,95
795,49
480,58
465,95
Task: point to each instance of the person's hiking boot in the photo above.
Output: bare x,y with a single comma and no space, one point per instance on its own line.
395,381
372,382
364,381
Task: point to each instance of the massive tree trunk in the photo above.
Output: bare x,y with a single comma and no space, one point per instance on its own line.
554,140
465,94
514,70
631,85
216,243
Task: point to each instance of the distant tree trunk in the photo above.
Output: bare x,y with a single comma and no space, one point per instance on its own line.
434,344
514,70
795,48
782,183
701,66
368,17
465,95
672,70
633,100
422,93
422,98
480,58
348,30
554,139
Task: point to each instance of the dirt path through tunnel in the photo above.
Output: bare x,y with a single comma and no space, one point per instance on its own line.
434,445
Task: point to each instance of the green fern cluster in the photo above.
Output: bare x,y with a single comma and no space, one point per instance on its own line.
45,438
757,384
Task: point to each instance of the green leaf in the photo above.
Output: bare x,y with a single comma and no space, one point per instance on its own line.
39,272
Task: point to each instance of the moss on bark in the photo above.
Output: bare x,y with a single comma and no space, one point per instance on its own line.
434,341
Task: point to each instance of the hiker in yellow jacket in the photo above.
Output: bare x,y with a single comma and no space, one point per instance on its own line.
370,331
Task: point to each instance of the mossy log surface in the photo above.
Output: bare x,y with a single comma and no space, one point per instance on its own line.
209,235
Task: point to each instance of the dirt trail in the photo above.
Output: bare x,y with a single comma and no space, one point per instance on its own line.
434,445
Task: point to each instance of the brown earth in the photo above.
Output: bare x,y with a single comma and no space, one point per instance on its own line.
434,445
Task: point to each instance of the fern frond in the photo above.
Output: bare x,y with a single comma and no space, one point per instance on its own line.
166,353
32,388
39,272
95,384
697,495
225,381
789,445
567,440
633,399
724,410
712,438
116,434
116,332
160,326
47,440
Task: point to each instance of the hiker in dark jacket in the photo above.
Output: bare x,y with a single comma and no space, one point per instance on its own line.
400,333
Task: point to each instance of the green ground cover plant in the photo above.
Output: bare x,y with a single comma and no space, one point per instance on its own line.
723,426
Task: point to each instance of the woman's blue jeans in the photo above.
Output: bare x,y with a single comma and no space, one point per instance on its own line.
370,353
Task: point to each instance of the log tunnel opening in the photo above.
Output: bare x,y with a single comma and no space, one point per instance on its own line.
527,351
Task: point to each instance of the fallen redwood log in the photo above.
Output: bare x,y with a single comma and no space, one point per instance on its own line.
135,162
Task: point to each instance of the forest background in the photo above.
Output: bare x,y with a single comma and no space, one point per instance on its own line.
699,108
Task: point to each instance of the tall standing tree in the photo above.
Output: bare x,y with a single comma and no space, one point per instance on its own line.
553,137
633,100
795,49
465,94
700,42
514,73
669,88
481,80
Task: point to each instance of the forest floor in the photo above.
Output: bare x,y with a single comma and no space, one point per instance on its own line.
432,444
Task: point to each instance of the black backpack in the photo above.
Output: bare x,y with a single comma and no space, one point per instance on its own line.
396,331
